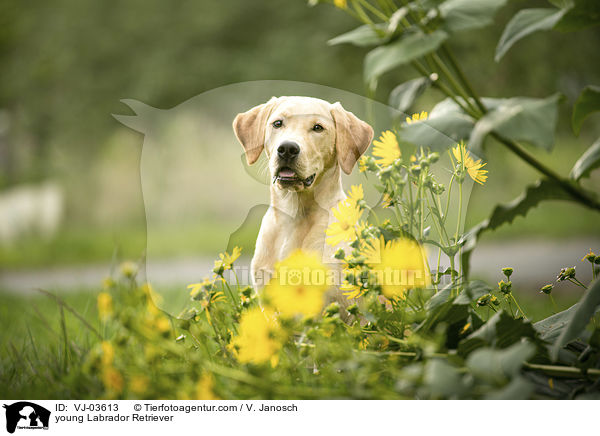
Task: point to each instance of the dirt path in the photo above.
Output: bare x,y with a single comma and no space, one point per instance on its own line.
536,263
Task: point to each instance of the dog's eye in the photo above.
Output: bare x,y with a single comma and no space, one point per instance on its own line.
318,128
277,124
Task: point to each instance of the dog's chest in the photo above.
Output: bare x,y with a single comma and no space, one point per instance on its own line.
305,233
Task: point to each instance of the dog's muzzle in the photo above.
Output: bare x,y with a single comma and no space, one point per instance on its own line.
287,176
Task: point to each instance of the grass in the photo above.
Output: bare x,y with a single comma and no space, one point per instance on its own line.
45,342
80,245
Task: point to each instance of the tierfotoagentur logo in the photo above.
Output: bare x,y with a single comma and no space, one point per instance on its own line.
24,415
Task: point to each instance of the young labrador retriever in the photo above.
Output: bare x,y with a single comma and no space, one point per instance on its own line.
308,142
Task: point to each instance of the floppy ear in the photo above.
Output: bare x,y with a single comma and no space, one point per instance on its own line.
249,128
352,137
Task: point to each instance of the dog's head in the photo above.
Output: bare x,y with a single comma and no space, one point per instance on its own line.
302,137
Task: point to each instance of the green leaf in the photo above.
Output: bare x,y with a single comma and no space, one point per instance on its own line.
447,313
442,379
439,298
362,36
473,291
500,331
581,14
550,328
525,22
542,190
588,161
531,120
579,318
446,125
498,366
587,103
385,58
518,389
404,95
469,14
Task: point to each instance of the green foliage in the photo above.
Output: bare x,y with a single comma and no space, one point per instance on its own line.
588,102
385,58
362,36
404,95
524,23
579,318
589,161
461,15
521,119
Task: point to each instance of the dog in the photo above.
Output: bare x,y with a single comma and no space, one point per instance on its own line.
308,142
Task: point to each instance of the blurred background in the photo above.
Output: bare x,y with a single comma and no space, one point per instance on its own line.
71,204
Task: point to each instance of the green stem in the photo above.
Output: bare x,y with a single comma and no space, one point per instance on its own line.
459,219
448,199
577,194
518,307
447,74
463,78
374,10
553,303
411,206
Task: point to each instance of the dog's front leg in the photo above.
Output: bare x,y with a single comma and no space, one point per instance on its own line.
263,261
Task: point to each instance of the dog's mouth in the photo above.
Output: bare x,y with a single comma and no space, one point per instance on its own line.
287,176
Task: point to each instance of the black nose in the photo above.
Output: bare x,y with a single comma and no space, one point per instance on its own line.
288,150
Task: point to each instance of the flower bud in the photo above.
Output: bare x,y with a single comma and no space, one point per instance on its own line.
353,310
415,170
547,289
438,188
483,301
565,274
332,309
340,254
590,257
507,272
247,291
505,287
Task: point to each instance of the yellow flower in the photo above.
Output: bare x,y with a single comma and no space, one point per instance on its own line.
105,306
386,149
351,291
417,117
346,216
362,164
217,297
129,269
162,324
195,288
205,305
399,265
342,4
112,379
356,194
204,388
299,285
228,259
256,340
138,384
473,167
108,353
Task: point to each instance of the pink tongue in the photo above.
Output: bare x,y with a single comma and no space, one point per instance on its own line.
286,173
